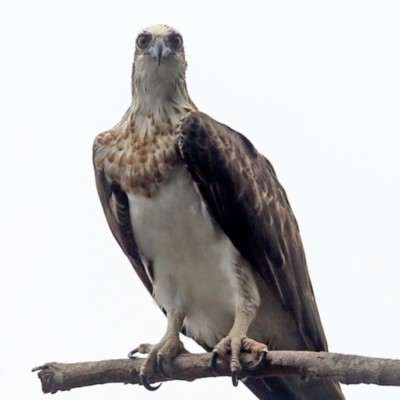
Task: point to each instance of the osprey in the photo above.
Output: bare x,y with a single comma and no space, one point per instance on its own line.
208,228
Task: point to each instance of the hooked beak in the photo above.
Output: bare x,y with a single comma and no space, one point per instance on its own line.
159,50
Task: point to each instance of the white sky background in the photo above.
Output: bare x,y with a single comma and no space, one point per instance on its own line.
315,85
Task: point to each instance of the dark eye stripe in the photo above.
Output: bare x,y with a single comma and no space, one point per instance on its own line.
143,40
175,40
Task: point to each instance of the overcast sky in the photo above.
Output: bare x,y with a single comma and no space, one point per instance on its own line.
315,85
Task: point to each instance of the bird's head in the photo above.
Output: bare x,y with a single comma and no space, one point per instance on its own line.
159,44
158,75
159,55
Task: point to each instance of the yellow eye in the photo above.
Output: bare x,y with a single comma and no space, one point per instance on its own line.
142,41
175,41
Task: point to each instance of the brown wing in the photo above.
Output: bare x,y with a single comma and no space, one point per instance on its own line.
244,196
116,208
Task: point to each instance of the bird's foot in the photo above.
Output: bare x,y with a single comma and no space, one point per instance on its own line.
158,354
234,345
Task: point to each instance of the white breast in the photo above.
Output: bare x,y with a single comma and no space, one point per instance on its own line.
193,260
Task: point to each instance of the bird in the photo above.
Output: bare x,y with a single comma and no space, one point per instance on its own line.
208,228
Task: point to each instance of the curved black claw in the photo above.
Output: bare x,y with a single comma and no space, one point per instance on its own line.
160,366
260,361
213,362
235,380
132,353
146,384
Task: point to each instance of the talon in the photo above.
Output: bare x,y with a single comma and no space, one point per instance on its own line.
235,380
132,353
213,362
160,366
260,361
146,384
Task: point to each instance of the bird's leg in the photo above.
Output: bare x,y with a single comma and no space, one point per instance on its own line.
237,340
164,351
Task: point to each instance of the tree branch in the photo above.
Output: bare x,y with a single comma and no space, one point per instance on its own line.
348,369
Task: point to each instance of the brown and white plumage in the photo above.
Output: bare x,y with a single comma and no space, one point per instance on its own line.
205,223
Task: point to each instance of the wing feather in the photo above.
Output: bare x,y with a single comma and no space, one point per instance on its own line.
116,209
244,196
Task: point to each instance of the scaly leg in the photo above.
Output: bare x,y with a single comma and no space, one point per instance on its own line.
237,339
164,351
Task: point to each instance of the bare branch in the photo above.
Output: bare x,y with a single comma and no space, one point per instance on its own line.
348,369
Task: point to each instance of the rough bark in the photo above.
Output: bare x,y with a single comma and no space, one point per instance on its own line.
348,369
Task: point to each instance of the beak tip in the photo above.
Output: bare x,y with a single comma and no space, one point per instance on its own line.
160,50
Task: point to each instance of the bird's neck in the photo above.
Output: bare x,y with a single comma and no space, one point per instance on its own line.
158,103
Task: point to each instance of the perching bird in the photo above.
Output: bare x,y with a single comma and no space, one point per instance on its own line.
208,228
